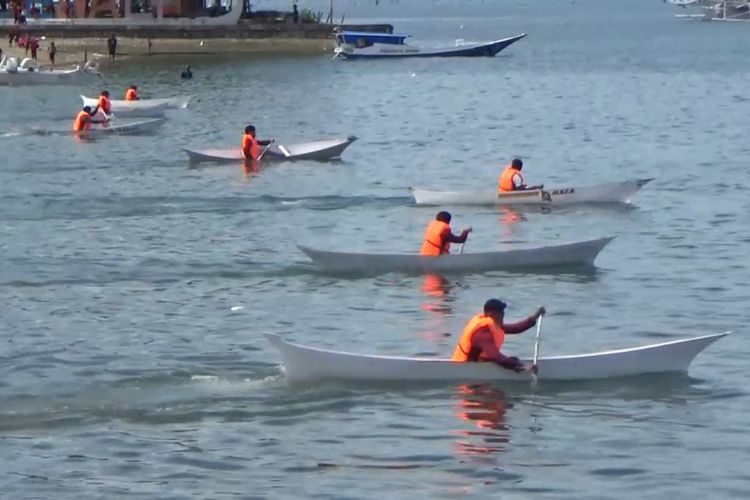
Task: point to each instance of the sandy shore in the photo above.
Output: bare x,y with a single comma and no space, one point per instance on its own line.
75,50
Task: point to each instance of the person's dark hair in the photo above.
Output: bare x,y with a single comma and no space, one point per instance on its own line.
443,217
105,93
87,109
494,305
250,129
516,163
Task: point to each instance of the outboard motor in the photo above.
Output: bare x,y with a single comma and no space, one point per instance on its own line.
11,66
29,64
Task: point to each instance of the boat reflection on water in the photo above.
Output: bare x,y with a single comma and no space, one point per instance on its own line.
485,408
439,302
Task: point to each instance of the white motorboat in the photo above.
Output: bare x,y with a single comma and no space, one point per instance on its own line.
369,45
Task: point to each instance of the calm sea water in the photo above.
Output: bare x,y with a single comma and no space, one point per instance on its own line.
135,290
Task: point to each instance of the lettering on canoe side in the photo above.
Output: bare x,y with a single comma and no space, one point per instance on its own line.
563,191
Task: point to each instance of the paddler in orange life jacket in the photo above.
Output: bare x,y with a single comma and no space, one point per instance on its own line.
482,338
512,180
104,105
83,120
132,94
251,147
439,236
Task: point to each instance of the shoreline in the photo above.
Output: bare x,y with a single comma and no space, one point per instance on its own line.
71,51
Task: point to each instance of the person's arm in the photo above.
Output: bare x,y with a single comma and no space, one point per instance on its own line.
452,238
483,340
264,142
523,325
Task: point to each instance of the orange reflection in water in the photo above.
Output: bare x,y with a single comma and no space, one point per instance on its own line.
510,216
437,301
485,407
251,167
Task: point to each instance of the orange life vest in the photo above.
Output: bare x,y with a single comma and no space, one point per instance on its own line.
131,95
506,179
104,104
250,147
462,352
82,122
434,242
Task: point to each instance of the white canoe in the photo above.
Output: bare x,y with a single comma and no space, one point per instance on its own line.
613,192
132,128
316,150
142,107
302,364
580,253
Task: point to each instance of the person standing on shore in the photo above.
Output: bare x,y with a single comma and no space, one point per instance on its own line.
33,45
112,46
52,53
295,13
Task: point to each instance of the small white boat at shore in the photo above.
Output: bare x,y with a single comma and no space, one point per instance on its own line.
716,10
97,130
153,108
306,364
580,253
612,192
28,72
317,151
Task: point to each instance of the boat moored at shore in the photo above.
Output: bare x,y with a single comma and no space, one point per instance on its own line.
28,72
364,45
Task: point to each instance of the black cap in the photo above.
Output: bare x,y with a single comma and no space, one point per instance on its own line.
516,163
249,129
494,305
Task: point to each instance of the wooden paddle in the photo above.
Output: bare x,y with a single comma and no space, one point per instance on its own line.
535,364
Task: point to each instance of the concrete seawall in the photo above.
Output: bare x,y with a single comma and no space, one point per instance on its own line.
243,30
